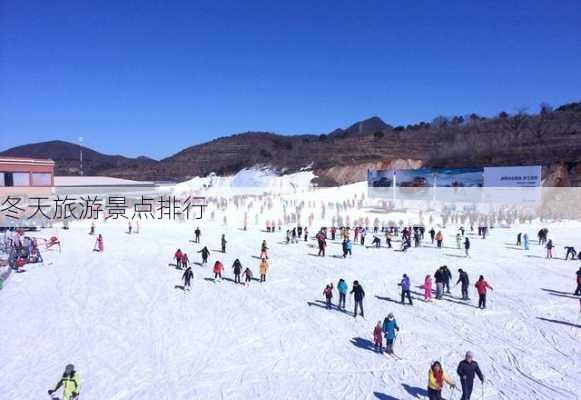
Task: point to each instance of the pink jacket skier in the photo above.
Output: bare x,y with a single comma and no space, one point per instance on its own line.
428,288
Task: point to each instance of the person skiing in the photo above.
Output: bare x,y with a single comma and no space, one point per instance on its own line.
197,234
526,241
467,246
129,228
432,233
465,282
388,238
70,383
306,235
459,241
578,290
237,267
178,257
187,277
405,289
185,260
263,269
363,234
439,277
518,239
92,231
218,268
389,330
549,248
428,288
376,240
570,250
247,276
347,246
263,250
99,246
378,337
342,289
439,239
481,287
436,379
446,278
328,293
205,253
467,368
359,294
322,243
223,243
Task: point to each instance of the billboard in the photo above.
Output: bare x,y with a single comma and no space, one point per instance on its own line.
527,176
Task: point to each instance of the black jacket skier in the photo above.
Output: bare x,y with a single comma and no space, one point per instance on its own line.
205,253
359,294
187,277
237,267
466,370
465,282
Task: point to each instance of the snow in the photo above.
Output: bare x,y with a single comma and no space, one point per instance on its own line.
132,334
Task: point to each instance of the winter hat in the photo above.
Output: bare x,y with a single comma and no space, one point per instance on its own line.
469,354
69,368
390,315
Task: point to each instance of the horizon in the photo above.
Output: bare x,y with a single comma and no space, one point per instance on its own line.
204,71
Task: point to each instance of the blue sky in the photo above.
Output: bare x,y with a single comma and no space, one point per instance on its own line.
153,77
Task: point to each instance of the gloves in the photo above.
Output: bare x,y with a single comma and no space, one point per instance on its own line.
75,395
50,392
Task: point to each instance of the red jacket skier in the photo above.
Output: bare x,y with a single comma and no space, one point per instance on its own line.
481,287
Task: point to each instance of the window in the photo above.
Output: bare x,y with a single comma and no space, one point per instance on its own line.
41,179
8,181
21,178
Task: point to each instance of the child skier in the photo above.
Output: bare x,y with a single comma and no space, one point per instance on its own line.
185,260
549,247
436,379
328,293
428,288
247,276
99,246
378,337
218,268
263,250
263,269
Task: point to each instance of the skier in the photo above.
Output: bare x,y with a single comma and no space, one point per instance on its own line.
218,268
129,227
570,250
237,267
185,260
70,382
347,245
263,250
526,241
178,257
223,243
439,239
205,253
428,288
328,293
467,246
359,294
466,370
578,290
306,236
247,276
518,239
378,337
459,241
405,289
446,278
389,330
99,246
376,240
481,286
187,277
436,379
388,238
363,234
439,277
197,234
432,233
92,231
342,288
465,282
549,247
263,269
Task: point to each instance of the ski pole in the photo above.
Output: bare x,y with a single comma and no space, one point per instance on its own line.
482,390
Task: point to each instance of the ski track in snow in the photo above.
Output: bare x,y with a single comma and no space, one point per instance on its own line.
132,335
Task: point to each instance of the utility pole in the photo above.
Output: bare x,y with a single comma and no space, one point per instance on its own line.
81,153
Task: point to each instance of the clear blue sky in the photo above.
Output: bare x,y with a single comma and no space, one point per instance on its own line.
152,77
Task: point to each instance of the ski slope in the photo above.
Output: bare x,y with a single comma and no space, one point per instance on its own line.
132,334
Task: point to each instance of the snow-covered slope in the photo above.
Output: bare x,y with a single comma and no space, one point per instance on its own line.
132,334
